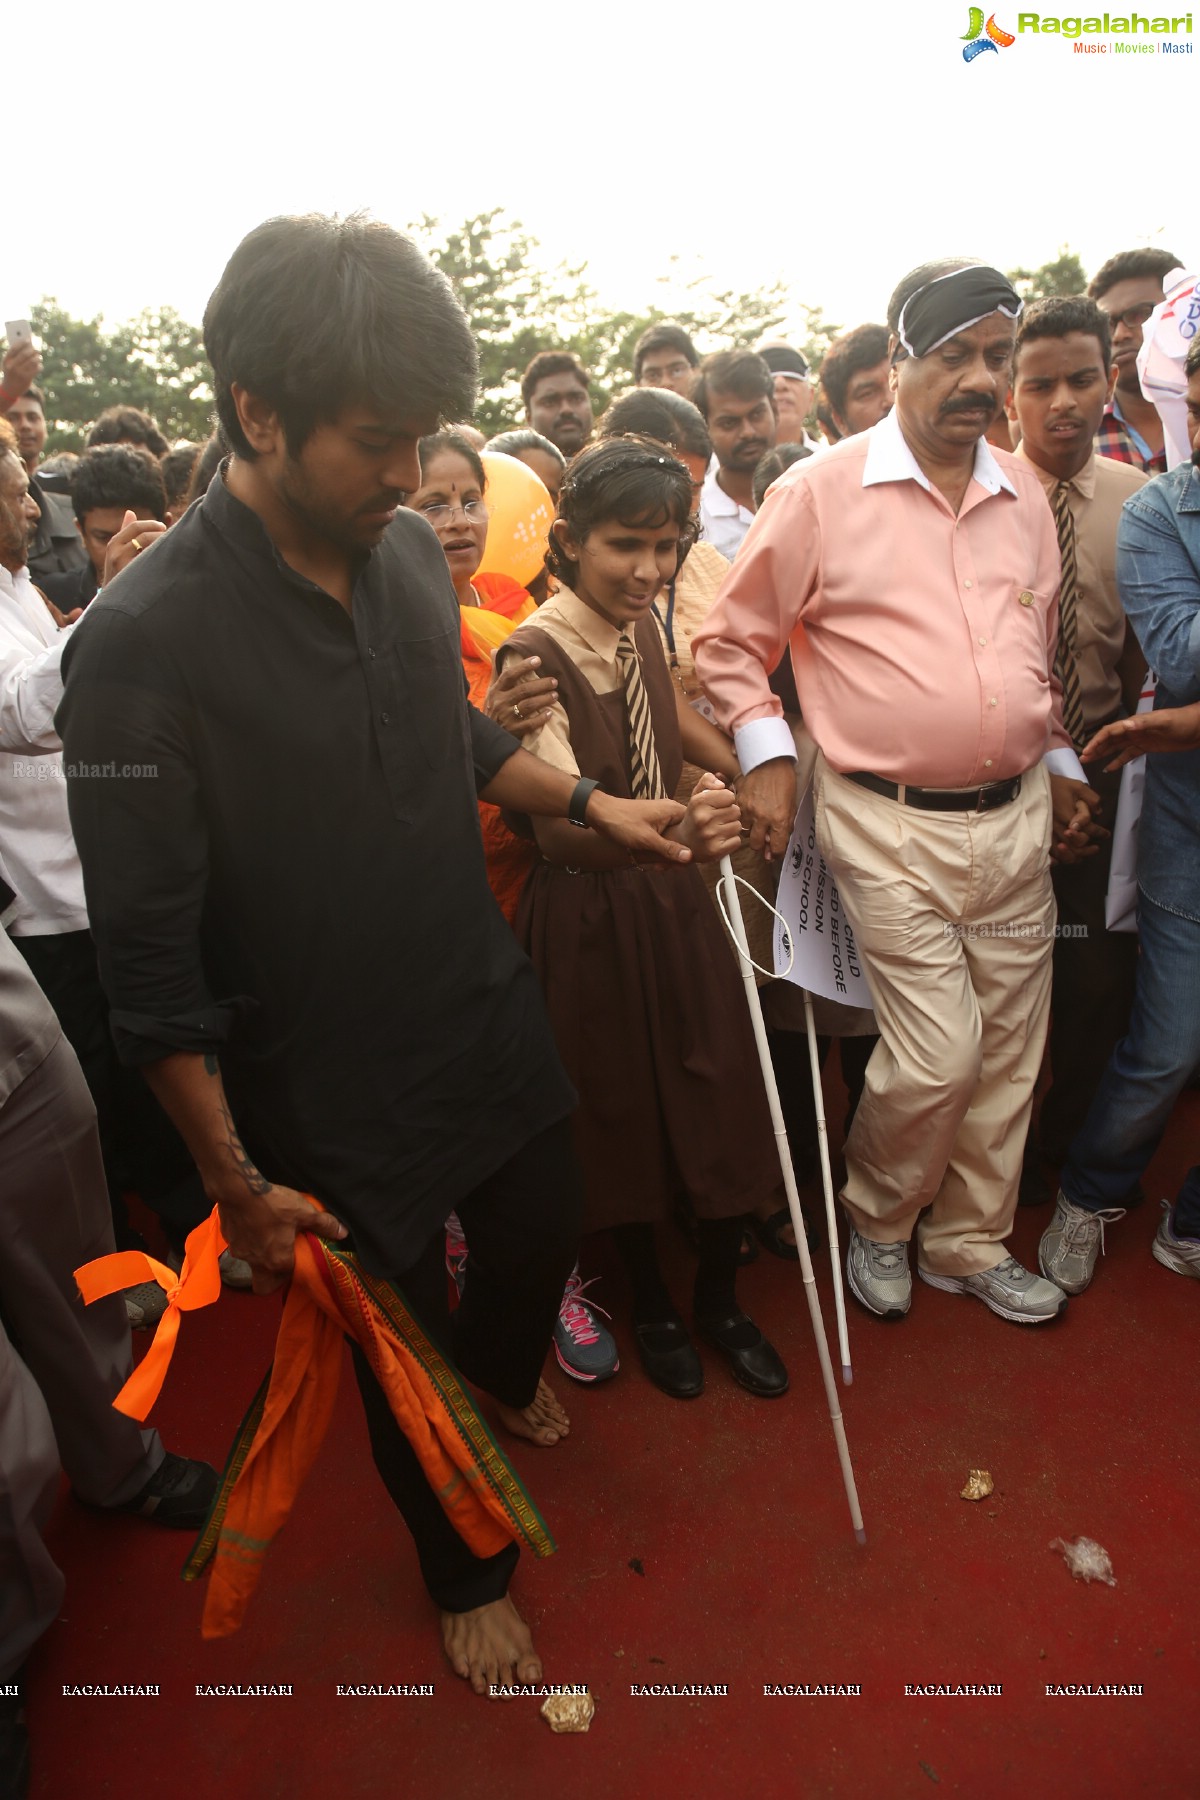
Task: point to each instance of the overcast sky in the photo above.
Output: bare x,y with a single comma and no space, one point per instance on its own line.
834,146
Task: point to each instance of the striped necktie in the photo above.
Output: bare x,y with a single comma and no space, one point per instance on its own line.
647,776
1065,664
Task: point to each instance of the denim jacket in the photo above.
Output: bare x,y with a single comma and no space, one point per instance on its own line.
1158,573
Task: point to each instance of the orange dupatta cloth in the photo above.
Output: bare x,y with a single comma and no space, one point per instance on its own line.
329,1297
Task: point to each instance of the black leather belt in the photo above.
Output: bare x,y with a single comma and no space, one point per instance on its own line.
980,799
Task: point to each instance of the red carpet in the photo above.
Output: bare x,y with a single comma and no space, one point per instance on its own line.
705,1543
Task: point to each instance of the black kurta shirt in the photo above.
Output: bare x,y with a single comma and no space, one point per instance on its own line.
300,883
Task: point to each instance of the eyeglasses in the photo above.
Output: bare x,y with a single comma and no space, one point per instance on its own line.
1133,316
439,513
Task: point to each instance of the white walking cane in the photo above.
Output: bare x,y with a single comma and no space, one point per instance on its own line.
835,1259
731,907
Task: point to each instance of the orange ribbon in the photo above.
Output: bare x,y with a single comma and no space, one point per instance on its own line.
197,1284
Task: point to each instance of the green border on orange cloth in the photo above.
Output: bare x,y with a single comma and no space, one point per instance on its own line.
331,1296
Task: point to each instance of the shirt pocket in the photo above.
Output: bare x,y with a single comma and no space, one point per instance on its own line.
431,695
1026,621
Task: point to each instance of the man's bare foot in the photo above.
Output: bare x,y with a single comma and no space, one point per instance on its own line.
543,1421
491,1646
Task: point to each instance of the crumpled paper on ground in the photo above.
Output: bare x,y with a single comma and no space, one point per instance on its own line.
1087,1560
979,1485
568,1712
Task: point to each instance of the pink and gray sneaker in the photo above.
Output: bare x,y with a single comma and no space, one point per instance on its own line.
585,1349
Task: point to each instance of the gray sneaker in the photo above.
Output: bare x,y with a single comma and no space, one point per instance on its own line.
145,1304
1071,1243
1180,1255
1008,1289
878,1276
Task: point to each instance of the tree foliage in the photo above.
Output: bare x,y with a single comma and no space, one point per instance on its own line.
516,303
1065,275
517,307
155,362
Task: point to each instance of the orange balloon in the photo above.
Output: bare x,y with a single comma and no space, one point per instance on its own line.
520,512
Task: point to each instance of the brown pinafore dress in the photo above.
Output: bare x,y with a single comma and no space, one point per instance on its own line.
644,999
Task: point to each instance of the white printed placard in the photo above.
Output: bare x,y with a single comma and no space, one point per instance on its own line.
813,925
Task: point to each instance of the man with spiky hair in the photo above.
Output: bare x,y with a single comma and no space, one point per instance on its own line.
295,927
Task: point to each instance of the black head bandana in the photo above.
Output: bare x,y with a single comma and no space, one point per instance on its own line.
953,303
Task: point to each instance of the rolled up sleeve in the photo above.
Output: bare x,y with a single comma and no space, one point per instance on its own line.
491,747
134,799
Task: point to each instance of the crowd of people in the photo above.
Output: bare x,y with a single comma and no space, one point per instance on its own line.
333,869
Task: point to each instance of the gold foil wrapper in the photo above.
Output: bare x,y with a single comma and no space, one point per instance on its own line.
568,1712
979,1485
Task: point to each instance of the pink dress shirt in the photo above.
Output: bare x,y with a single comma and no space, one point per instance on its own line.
922,643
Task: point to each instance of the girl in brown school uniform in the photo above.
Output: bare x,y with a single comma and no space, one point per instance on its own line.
643,995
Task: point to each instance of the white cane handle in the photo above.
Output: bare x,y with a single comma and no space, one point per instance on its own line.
742,949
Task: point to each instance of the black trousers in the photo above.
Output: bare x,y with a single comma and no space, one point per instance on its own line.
522,1225
1094,976
140,1146
793,1073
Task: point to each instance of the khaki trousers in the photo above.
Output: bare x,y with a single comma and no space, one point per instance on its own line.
955,920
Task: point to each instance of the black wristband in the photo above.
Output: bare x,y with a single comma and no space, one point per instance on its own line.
577,805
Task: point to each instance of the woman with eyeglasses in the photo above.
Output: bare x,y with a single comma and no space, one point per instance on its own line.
451,498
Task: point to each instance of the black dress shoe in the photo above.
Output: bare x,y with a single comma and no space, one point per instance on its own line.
754,1362
669,1359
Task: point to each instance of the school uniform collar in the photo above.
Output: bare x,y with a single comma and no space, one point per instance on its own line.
596,632
1084,483
889,458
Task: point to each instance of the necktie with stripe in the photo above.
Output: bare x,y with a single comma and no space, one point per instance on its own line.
1065,664
647,776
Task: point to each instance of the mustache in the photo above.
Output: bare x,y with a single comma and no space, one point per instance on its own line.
970,403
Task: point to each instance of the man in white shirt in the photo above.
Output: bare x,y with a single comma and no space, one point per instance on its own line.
37,850
47,915
735,391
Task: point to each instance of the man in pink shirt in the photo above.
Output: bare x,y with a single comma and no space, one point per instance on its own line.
914,573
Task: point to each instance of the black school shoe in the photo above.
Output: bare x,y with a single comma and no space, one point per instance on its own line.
754,1363
179,1494
669,1358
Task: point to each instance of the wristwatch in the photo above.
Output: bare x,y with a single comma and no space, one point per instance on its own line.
577,805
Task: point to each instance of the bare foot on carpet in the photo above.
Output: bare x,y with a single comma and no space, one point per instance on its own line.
491,1646
543,1421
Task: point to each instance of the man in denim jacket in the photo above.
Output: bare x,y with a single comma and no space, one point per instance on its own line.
1158,571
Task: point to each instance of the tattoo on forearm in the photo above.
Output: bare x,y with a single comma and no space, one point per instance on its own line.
253,1178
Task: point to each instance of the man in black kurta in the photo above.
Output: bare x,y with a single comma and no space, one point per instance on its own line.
273,774
300,885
